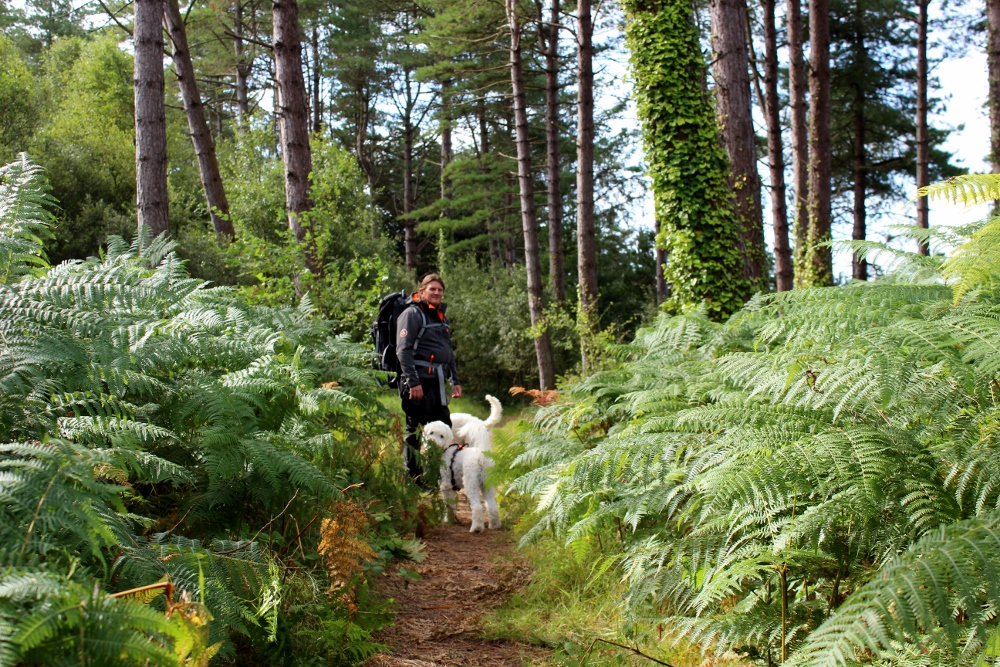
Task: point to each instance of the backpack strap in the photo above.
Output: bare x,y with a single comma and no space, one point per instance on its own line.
423,326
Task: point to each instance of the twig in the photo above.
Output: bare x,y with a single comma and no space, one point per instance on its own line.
627,648
167,534
114,18
263,528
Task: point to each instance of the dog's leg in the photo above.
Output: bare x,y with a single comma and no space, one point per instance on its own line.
492,511
473,480
450,500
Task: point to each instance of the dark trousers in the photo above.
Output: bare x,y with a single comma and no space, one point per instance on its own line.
418,413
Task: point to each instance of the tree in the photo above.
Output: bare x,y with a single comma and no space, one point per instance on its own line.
687,165
18,101
732,96
204,147
817,267
586,246
529,219
293,115
798,107
993,67
923,141
152,199
548,42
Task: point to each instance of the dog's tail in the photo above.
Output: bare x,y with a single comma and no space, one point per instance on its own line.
496,411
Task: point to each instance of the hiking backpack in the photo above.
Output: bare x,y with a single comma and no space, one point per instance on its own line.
383,334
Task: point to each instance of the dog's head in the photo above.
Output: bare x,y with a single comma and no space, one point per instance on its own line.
438,433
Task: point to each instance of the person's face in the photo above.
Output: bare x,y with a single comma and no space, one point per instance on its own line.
432,293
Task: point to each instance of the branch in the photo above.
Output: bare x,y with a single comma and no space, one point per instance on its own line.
114,18
627,648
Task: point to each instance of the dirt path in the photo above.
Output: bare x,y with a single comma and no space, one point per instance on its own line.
438,616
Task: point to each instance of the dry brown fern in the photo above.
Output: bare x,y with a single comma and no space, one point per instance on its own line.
344,550
538,397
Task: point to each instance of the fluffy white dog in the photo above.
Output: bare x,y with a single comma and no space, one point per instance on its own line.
472,431
464,468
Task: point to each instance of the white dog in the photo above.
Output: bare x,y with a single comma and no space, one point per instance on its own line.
464,468
472,431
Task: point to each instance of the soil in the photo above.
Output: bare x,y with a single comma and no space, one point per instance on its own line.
438,616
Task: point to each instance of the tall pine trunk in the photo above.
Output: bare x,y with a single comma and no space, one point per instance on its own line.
818,263
529,220
242,68
409,228
152,199
293,115
446,148
586,242
993,67
204,147
317,74
549,41
783,270
923,142
732,96
859,266
800,135
662,293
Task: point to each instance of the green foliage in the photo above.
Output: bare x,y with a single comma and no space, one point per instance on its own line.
18,101
687,164
138,405
812,481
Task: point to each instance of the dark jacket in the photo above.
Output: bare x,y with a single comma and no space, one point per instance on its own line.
426,328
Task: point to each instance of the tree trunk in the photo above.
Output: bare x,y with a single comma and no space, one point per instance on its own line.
293,115
923,143
732,96
152,199
783,271
204,147
819,260
800,135
242,69
529,220
859,267
549,42
409,229
586,242
317,72
993,66
446,148
662,293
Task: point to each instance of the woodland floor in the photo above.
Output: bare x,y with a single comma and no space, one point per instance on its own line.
438,616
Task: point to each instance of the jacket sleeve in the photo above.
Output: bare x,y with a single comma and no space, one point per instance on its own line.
454,372
408,325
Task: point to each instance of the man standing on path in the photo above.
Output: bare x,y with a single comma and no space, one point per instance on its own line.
426,361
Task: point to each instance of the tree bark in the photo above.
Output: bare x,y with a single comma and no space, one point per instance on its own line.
446,147
586,242
317,73
923,142
529,220
859,267
819,260
293,115
152,199
783,270
993,67
662,293
732,96
549,43
800,135
204,147
409,229
242,69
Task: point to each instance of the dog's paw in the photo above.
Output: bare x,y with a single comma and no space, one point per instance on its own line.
495,525
477,528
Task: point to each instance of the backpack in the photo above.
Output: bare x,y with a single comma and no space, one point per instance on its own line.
383,334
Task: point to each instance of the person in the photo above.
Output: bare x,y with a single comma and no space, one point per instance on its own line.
426,362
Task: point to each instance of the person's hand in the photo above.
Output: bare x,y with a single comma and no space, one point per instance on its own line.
456,391
416,393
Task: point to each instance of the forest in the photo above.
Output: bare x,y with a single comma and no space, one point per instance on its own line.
750,387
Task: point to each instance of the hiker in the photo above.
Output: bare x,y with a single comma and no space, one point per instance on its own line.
426,362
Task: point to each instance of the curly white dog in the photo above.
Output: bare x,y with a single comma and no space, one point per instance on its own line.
472,431
464,467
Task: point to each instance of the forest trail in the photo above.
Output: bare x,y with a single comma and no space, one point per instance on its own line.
438,615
